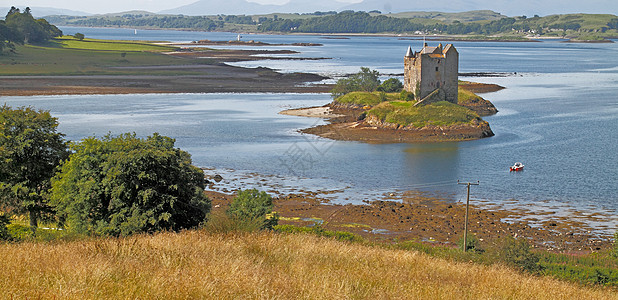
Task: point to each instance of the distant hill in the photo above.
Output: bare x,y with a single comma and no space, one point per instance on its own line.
39,12
507,7
243,7
466,16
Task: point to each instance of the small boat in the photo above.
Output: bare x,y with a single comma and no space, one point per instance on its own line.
517,167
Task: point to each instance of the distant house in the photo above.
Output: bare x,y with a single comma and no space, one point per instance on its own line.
432,74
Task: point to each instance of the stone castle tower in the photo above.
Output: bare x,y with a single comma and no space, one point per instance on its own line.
432,74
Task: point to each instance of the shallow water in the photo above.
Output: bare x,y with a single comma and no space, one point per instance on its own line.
558,115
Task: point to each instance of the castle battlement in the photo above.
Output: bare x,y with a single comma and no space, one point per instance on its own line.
433,72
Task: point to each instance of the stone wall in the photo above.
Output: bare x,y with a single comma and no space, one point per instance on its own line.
426,72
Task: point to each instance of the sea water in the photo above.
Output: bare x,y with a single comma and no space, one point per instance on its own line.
558,115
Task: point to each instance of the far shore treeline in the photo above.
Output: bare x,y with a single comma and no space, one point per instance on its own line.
475,23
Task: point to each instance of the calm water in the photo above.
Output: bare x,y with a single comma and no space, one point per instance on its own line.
558,115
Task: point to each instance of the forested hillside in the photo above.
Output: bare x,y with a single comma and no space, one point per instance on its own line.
21,28
361,22
477,23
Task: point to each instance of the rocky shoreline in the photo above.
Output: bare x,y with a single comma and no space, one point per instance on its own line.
372,130
427,219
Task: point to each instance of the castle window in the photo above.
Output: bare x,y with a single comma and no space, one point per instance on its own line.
436,69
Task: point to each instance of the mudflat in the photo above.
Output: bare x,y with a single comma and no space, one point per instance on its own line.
203,71
427,218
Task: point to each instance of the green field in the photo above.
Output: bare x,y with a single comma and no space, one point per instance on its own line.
438,114
366,98
68,56
68,42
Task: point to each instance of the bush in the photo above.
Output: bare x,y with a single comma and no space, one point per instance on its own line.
79,36
473,244
124,185
516,253
406,96
253,206
365,81
391,85
18,232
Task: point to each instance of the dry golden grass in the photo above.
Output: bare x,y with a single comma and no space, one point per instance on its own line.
195,264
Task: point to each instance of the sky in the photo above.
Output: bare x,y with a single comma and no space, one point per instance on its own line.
112,6
507,7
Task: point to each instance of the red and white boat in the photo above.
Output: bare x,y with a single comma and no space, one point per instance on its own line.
517,167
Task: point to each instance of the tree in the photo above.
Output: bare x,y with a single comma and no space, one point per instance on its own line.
123,185
366,80
79,36
253,205
7,37
30,151
391,85
27,29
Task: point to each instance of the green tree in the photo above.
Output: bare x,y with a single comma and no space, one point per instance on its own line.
253,205
79,36
7,37
30,151
124,185
391,85
29,30
366,80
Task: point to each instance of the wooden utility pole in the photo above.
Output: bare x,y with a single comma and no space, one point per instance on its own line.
465,245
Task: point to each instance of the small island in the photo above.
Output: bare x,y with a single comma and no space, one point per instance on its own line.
432,105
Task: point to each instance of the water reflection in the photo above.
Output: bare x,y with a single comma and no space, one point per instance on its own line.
432,166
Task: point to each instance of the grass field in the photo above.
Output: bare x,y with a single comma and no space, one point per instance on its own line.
366,98
263,265
68,56
111,45
439,114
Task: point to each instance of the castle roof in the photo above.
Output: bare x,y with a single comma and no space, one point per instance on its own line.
409,52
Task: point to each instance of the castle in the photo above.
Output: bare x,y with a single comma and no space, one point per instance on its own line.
432,74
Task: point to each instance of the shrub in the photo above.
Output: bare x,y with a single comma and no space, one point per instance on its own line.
391,85
18,232
253,206
473,244
406,96
516,253
366,81
124,185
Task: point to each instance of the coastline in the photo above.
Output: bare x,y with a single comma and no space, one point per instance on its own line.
427,219
209,74
242,80
349,122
